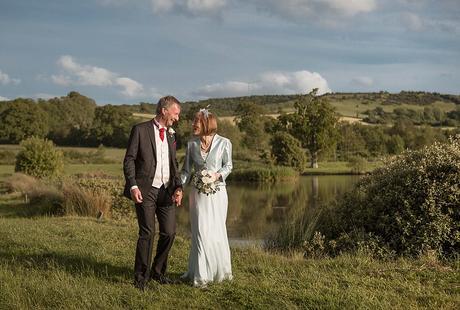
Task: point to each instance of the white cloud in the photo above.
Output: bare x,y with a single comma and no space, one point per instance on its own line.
303,10
193,7
131,87
87,75
363,81
5,79
3,98
61,79
268,83
77,74
412,21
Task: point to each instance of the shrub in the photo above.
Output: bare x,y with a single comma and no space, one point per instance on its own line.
357,164
409,206
85,201
39,158
117,206
412,203
287,151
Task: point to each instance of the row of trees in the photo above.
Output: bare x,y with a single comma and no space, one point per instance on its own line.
70,120
429,116
314,132
311,133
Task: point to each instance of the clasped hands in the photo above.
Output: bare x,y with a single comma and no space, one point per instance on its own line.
176,198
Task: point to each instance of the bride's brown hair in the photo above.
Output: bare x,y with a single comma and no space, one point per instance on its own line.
208,123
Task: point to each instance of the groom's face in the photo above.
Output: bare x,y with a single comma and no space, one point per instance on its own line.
171,115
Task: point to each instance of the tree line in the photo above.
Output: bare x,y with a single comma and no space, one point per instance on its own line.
312,132
70,120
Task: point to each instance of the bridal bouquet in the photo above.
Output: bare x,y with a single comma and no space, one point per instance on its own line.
205,182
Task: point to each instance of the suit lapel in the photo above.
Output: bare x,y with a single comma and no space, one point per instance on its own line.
151,132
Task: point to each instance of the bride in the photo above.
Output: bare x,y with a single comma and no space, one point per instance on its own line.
209,259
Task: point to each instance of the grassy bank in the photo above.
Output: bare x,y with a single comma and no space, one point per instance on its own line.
73,263
337,168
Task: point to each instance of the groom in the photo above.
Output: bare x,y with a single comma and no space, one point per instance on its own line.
153,183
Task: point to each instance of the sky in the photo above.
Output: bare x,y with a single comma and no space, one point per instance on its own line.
126,52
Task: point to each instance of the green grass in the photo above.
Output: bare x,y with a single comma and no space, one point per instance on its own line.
111,153
75,263
329,168
111,169
337,167
354,107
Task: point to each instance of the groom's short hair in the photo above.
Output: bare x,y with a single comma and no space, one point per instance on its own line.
166,102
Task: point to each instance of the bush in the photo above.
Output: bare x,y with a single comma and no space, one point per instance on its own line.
357,164
412,203
116,205
39,158
409,206
85,201
288,152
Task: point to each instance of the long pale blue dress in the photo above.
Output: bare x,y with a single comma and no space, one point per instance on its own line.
209,259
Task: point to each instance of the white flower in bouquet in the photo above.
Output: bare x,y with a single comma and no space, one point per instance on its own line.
205,182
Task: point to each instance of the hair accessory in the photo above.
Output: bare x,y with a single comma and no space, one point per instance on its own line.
205,111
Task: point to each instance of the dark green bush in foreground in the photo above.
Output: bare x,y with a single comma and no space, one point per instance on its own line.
409,206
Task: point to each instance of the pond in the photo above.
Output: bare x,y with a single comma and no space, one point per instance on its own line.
255,210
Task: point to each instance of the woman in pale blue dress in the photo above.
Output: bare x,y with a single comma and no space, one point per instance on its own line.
209,259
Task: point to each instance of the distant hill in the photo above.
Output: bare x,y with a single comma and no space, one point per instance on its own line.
379,107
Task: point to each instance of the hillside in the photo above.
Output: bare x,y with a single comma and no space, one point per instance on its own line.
381,107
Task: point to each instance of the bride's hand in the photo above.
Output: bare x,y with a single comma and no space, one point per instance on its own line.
215,176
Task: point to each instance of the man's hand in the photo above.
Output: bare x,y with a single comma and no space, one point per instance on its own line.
177,197
136,195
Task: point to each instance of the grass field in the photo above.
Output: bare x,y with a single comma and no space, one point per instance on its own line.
80,263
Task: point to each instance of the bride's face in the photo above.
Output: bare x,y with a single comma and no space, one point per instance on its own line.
196,127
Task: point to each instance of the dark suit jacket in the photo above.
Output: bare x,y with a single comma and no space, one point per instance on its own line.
140,162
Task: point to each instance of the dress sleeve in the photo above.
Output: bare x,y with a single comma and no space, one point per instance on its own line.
227,164
187,167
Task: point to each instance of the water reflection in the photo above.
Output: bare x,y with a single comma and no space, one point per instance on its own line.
257,209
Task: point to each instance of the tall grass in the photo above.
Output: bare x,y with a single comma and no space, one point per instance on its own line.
85,202
84,196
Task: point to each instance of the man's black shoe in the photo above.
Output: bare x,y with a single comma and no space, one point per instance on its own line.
162,279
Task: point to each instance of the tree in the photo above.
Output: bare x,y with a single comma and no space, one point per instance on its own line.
22,118
111,126
70,117
314,123
39,158
287,151
251,120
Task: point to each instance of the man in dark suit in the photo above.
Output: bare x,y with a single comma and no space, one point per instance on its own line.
153,183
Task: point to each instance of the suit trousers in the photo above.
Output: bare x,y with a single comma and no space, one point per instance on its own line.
158,202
